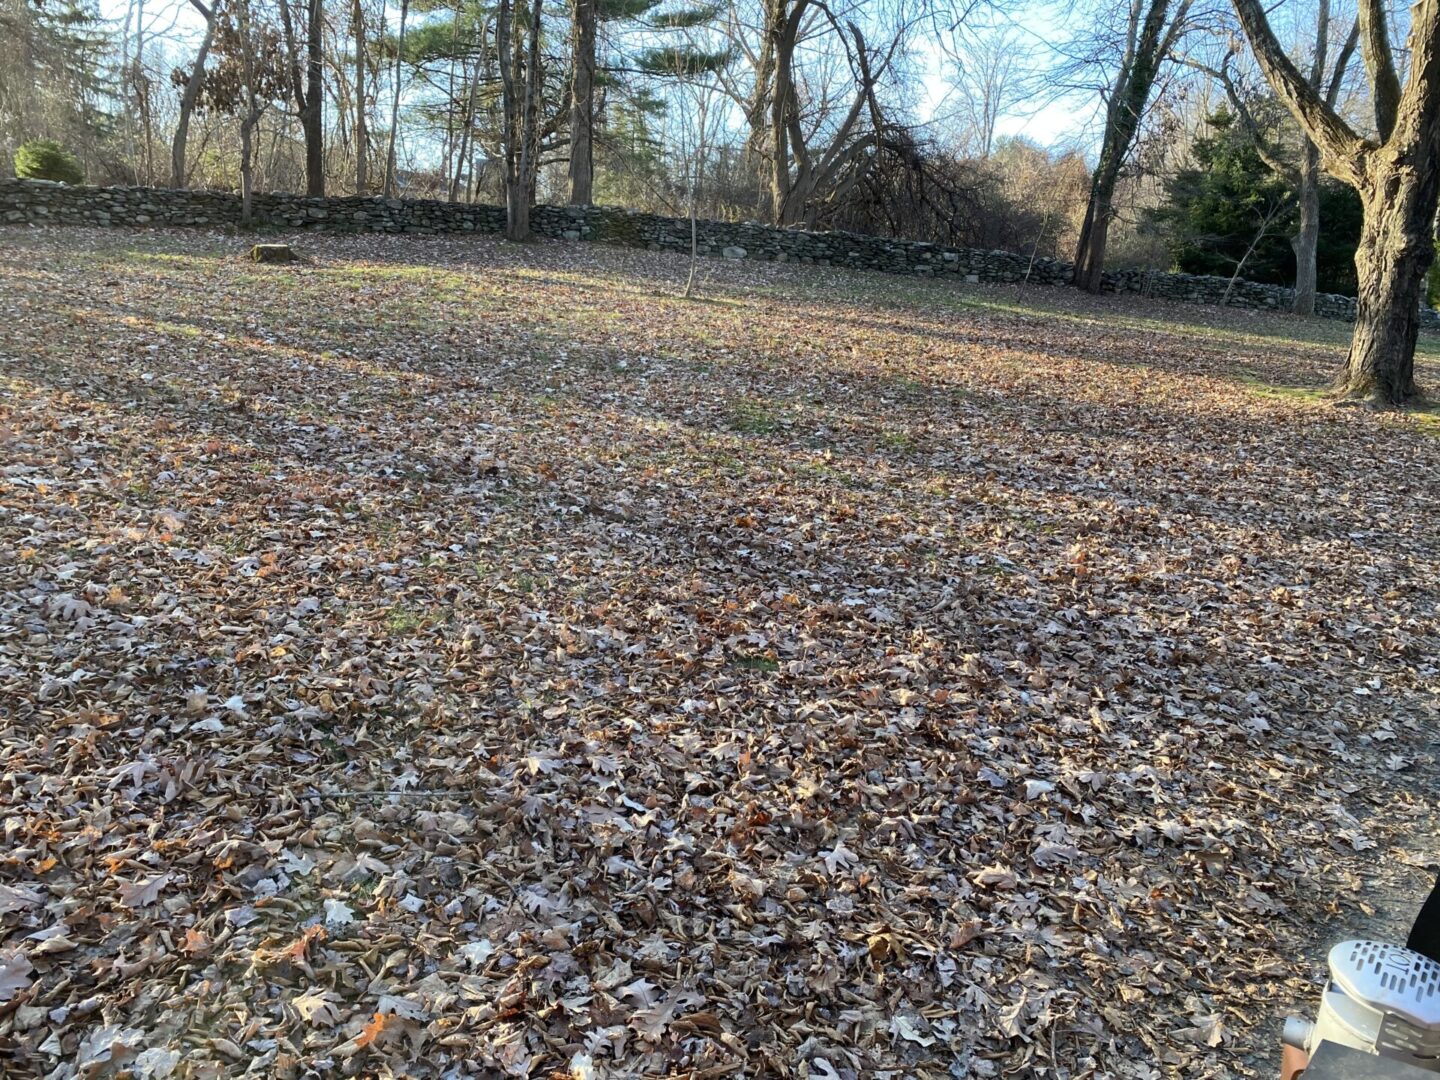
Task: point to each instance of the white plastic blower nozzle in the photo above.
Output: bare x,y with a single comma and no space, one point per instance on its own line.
1381,999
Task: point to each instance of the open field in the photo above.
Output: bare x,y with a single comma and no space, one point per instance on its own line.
460,659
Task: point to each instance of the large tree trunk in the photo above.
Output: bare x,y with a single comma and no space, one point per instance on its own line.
1306,240
517,212
1398,180
362,135
1089,273
519,102
782,49
187,106
582,104
313,116
395,104
1397,245
530,125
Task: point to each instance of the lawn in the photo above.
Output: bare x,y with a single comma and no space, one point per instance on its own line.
446,658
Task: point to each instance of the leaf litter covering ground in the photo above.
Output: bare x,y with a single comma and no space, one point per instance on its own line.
451,659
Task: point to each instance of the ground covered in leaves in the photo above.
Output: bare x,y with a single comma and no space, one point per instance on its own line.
443,658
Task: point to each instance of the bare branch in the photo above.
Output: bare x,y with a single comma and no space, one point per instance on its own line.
1340,148
1380,63
1347,53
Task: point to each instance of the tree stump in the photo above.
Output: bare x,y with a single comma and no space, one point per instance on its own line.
272,253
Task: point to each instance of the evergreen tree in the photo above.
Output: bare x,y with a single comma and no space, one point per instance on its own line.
1214,211
55,78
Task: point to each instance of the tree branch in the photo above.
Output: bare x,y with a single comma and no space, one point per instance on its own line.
1347,53
1340,148
1268,153
1380,63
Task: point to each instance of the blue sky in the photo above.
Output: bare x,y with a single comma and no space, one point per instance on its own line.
1042,118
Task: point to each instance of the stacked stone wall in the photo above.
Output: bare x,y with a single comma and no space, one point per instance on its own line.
38,202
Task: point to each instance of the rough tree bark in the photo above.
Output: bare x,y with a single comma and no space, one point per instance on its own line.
362,135
395,105
519,104
250,118
582,103
189,97
1149,41
313,118
1306,241
1397,178
309,93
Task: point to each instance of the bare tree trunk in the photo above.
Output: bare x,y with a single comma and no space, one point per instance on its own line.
782,50
312,119
465,158
1089,272
247,168
582,104
187,102
530,130
251,117
1306,240
1398,180
519,93
703,108
362,135
395,104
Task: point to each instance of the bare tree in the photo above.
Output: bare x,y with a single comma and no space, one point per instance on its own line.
812,142
251,73
1303,176
308,92
191,82
520,105
582,102
1150,33
695,66
362,135
395,104
987,75
1397,176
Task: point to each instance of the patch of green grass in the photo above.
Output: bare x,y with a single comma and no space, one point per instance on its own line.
753,418
719,462
752,662
901,442
1260,388
1426,418
403,620
825,472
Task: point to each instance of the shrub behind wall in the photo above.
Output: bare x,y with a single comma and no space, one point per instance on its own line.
46,159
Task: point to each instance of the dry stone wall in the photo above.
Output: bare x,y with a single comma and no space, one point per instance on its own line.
39,202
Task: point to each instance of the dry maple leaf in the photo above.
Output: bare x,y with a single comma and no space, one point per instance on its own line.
297,949
995,877
317,1007
379,1028
138,894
